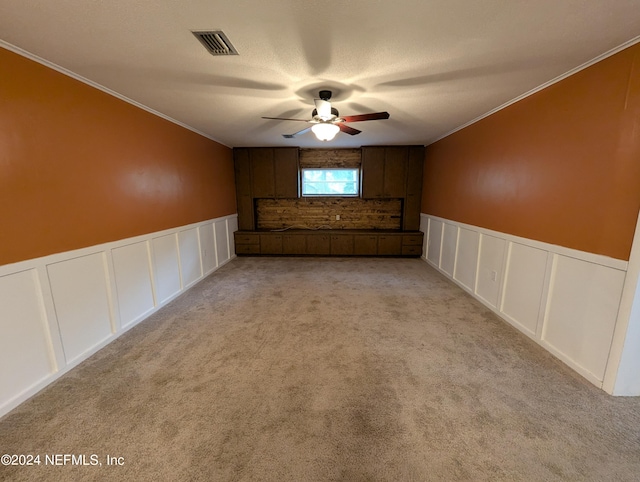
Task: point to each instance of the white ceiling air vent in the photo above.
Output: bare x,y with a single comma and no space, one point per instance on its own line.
216,42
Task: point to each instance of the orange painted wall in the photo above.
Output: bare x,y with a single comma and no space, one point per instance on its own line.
79,167
560,166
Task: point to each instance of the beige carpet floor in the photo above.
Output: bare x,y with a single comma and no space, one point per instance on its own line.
294,369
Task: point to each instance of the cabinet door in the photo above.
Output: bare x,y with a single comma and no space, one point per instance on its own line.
246,243
262,173
412,239
395,171
365,244
286,172
245,213
270,244
246,238
415,170
294,244
372,172
389,245
342,244
318,244
412,251
247,249
413,201
411,212
242,170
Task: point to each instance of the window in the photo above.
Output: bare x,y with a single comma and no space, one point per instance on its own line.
330,182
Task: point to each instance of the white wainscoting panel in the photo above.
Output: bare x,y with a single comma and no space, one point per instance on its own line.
523,286
167,267
25,349
81,297
434,241
490,264
467,258
57,310
424,227
133,281
581,312
232,227
222,242
207,248
190,264
566,300
449,247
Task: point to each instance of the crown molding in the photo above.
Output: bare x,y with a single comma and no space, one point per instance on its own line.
95,85
591,62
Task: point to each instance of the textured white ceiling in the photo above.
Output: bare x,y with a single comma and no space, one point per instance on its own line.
433,65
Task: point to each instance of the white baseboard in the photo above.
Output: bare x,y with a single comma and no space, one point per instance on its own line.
565,299
59,310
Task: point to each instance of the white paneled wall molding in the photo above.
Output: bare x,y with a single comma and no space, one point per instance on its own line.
58,310
564,299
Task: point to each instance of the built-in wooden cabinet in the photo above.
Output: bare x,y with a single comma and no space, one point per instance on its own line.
270,243
372,172
412,244
413,198
294,244
334,243
342,244
242,168
390,173
274,172
365,244
389,245
395,171
263,172
247,243
318,244
385,171
285,162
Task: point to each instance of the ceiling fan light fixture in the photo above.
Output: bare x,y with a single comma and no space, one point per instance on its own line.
326,121
325,131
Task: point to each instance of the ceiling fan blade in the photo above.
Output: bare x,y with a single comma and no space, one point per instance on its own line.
284,118
291,136
365,117
348,130
324,108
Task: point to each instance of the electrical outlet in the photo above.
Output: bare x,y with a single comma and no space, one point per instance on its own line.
337,217
494,275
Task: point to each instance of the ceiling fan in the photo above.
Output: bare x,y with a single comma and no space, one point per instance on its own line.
327,121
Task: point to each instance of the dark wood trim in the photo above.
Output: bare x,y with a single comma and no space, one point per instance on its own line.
329,242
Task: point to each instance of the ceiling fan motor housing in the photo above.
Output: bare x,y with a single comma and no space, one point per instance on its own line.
334,112
324,94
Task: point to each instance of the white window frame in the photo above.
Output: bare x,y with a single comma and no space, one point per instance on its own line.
357,181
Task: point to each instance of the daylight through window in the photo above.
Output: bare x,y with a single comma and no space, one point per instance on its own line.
330,182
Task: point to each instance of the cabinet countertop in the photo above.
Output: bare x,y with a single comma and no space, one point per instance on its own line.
331,231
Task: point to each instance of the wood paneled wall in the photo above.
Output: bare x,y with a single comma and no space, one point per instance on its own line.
355,213
321,212
336,158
